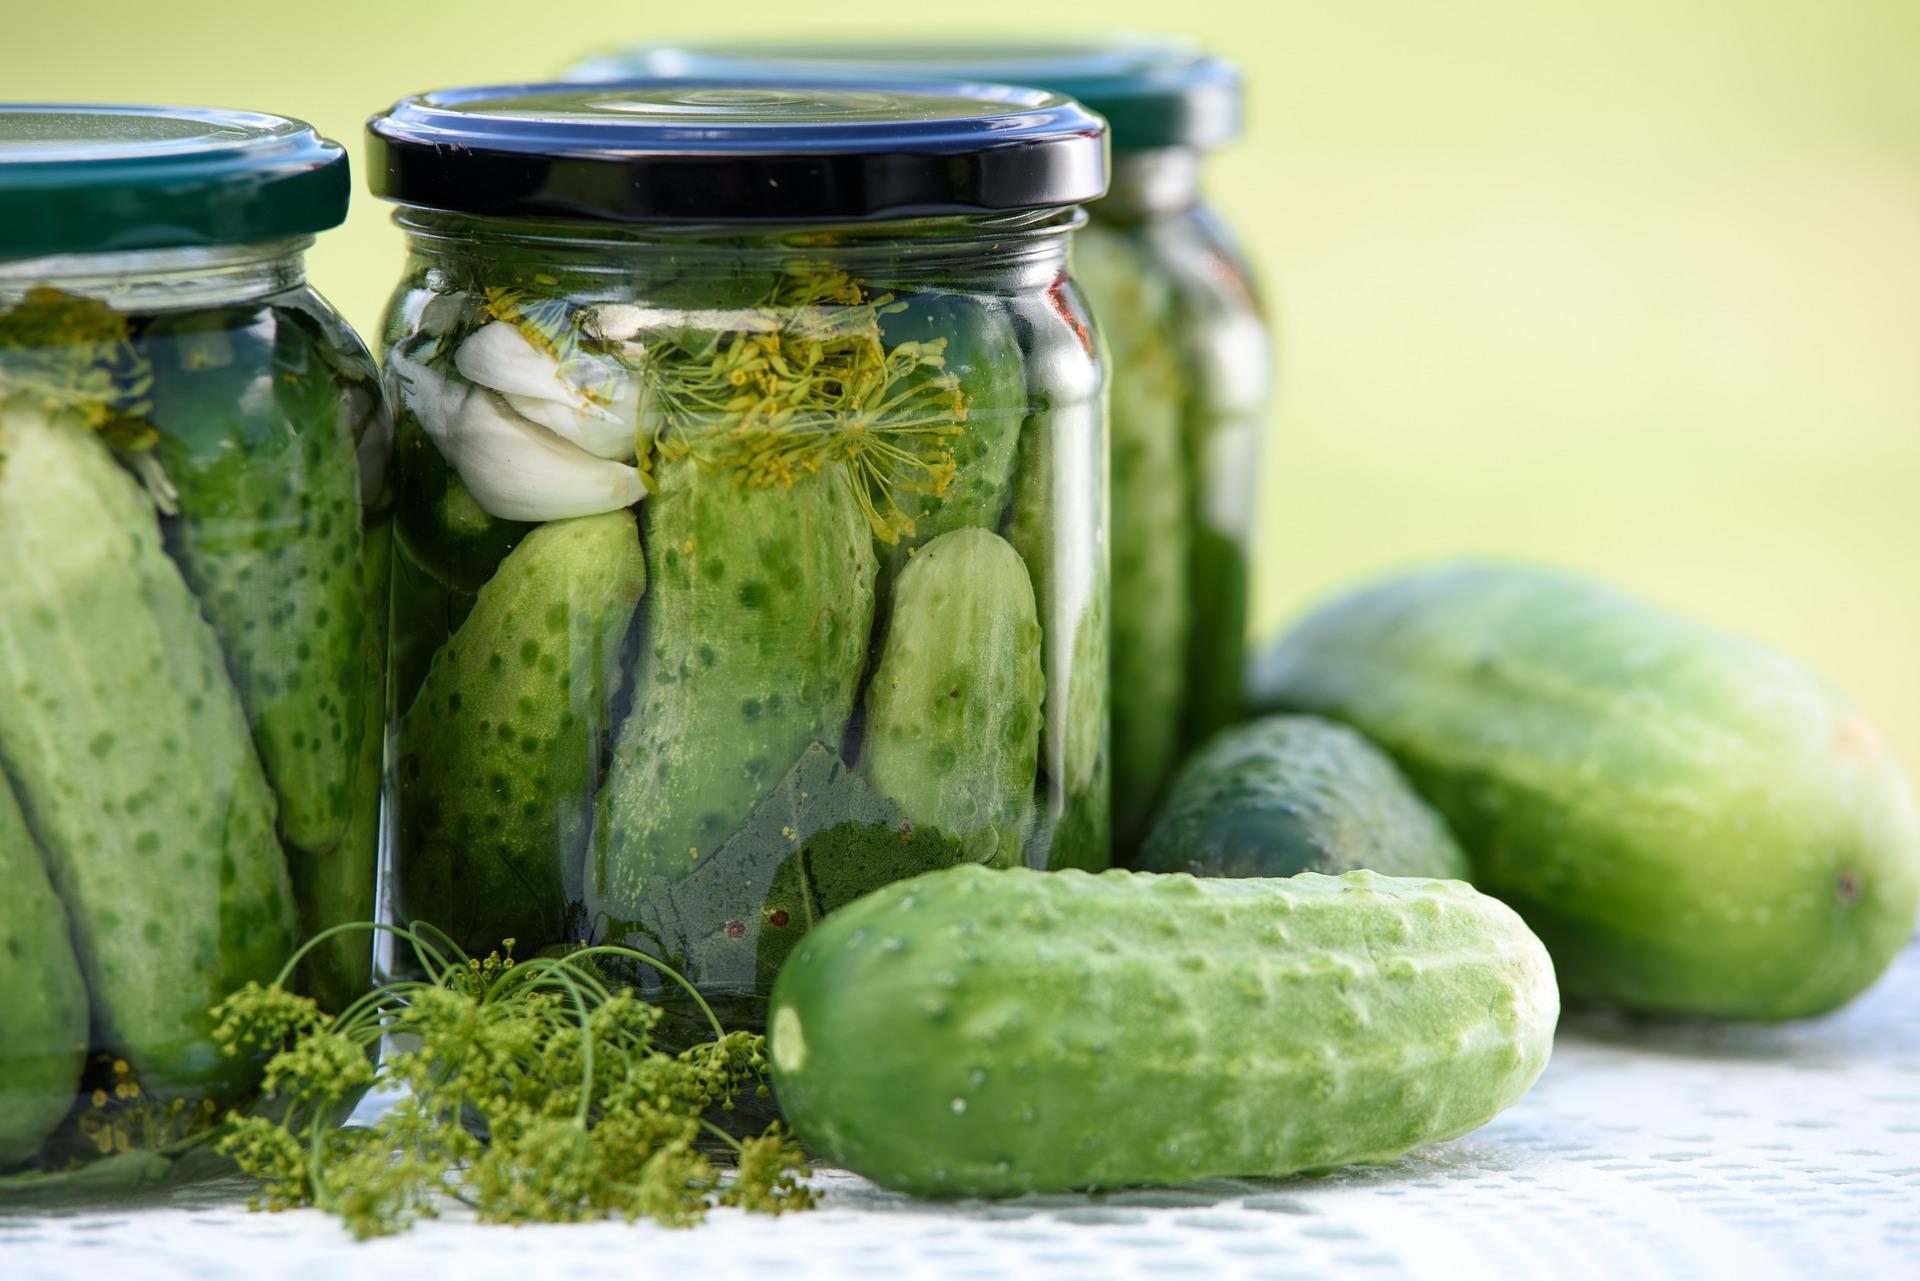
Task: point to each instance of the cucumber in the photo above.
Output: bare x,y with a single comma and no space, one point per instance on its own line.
269,537
131,759
1152,620
1287,794
761,602
1019,1031
337,887
981,356
954,707
496,760
1691,822
43,1008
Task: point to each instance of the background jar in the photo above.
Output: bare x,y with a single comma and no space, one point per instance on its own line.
1172,296
751,539
193,454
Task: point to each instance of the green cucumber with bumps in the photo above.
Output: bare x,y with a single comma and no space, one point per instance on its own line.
759,611
1288,794
1018,1031
954,707
269,537
497,759
131,758
1693,823
43,1009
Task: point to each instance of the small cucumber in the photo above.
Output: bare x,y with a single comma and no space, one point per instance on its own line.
269,538
131,758
495,762
1692,823
1289,794
1151,615
954,707
973,1032
760,606
43,1007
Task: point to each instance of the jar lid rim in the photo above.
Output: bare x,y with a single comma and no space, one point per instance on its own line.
1154,91
110,177
791,149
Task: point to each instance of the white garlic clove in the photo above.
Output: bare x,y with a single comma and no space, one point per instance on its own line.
605,430
517,470
433,400
599,418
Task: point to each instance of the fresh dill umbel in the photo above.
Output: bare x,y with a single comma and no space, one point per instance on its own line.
533,1093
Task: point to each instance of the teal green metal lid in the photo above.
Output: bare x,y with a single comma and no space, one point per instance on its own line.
1153,92
87,178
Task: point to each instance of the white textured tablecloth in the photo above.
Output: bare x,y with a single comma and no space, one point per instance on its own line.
1646,1151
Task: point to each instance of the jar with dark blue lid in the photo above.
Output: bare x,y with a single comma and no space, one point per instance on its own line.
752,480
193,500
1190,352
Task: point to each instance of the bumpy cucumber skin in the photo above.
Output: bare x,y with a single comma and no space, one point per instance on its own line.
1288,794
337,887
980,1033
131,758
496,761
269,538
43,1008
1151,615
759,611
1692,823
954,707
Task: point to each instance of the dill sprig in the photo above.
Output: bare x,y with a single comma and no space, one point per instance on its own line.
804,382
534,1092
64,353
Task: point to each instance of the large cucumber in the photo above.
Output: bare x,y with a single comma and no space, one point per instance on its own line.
1287,794
496,761
760,606
269,538
979,1032
1151,617
131,757
43,1007
1690,821
954,707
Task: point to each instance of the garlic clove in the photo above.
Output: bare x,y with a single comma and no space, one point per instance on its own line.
518,470
600,420
605,430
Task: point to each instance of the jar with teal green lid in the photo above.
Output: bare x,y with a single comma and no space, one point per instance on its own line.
1173,296
193,515
751,541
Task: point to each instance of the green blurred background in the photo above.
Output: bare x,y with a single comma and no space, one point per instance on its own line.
1628,285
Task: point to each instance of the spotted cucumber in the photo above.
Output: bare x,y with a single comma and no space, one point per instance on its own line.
1019,1031
1691,822
759,608
268,535
1287,794
43,1007
131,758
496,760
954,707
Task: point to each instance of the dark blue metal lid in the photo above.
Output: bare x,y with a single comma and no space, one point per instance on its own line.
791,149
87,178
1154,92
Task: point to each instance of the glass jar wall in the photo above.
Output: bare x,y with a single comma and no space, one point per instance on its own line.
1189,354
750,558
193,457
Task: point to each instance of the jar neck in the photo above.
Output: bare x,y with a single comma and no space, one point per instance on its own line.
1151,184
1002,252
164,279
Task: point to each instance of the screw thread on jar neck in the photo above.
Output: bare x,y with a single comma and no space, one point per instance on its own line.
1165,180
164,279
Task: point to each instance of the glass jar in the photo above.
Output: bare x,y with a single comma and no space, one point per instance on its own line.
193,459
1189,352
750,548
